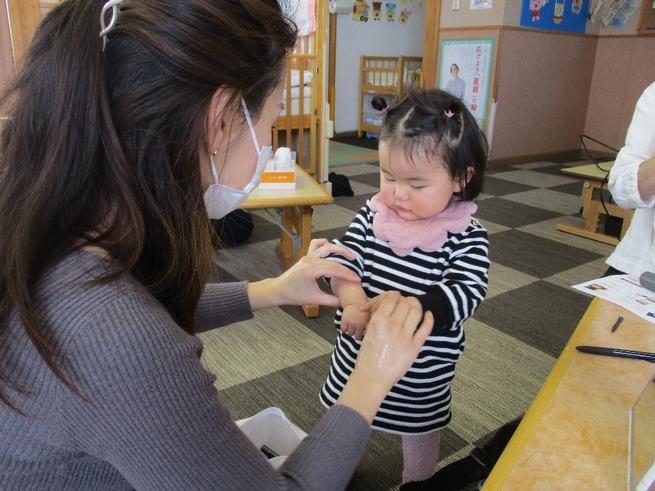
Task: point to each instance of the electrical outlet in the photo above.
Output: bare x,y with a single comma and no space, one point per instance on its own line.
455,5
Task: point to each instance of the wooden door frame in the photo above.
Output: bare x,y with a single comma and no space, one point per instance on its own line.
430,51
431,43
24,17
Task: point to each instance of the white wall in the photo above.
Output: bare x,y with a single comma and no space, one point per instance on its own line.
373,38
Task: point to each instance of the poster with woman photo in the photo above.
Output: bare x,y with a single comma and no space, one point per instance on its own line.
465,69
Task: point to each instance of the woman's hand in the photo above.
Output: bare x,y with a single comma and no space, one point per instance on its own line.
297,285
389,348
374,303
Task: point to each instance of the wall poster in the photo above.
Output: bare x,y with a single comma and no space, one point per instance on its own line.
465,70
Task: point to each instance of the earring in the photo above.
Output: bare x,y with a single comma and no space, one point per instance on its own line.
214,153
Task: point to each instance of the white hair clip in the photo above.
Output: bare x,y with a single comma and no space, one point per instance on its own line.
107,28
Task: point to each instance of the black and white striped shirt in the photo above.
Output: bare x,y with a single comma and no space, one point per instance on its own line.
451,282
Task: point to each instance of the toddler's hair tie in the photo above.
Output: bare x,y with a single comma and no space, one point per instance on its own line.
448,113
385,110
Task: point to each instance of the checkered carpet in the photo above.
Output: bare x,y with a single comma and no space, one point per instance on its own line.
281,358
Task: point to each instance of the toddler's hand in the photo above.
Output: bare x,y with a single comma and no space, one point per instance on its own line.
353,321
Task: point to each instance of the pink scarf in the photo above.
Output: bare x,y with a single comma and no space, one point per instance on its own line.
427,234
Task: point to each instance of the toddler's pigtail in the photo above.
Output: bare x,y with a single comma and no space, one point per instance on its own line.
379,103
453,123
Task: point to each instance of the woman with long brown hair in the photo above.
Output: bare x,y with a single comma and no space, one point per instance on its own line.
118,150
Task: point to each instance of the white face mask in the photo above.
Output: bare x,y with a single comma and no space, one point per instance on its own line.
221,199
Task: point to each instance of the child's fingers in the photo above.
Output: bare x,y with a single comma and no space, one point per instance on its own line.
413,318
424,330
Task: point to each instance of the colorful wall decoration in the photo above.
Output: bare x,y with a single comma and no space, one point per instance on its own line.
556,15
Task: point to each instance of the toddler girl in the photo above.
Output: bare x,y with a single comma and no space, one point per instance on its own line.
417,236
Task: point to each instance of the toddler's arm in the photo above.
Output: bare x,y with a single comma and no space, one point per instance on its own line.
464,285
352,297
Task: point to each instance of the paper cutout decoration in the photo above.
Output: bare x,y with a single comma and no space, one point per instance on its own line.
625,13
391,11
576,7
305,17
594,8
481,4
558,14
613,11
377,10
360,11
535,7
405,14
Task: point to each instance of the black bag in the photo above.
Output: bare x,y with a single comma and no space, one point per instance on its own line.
234,228
340,185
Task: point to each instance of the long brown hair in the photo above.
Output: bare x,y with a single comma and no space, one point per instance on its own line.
102,148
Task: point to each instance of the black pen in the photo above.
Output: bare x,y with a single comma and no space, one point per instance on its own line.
623,353
617,324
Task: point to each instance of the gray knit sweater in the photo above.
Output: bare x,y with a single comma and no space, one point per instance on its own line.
152,418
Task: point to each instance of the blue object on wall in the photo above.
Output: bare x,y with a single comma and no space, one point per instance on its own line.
556,15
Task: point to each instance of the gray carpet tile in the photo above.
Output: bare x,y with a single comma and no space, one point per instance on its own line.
332,233
541,314
496,380
251,261
503,279
579,160
580,274
269,342
323,325
353,203
492,228
263,230
294,389
547,230
369,179
330,216
574,188
357,169
219,275
553,169
511,214
547,199
532,165
535,255
534,178
500,187
360,188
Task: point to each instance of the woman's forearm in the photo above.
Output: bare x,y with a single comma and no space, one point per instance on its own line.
363,394
263,294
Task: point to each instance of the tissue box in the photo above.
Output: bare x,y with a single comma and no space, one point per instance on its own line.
280,172
276,179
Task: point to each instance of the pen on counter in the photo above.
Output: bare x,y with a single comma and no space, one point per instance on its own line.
617,324
622,353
